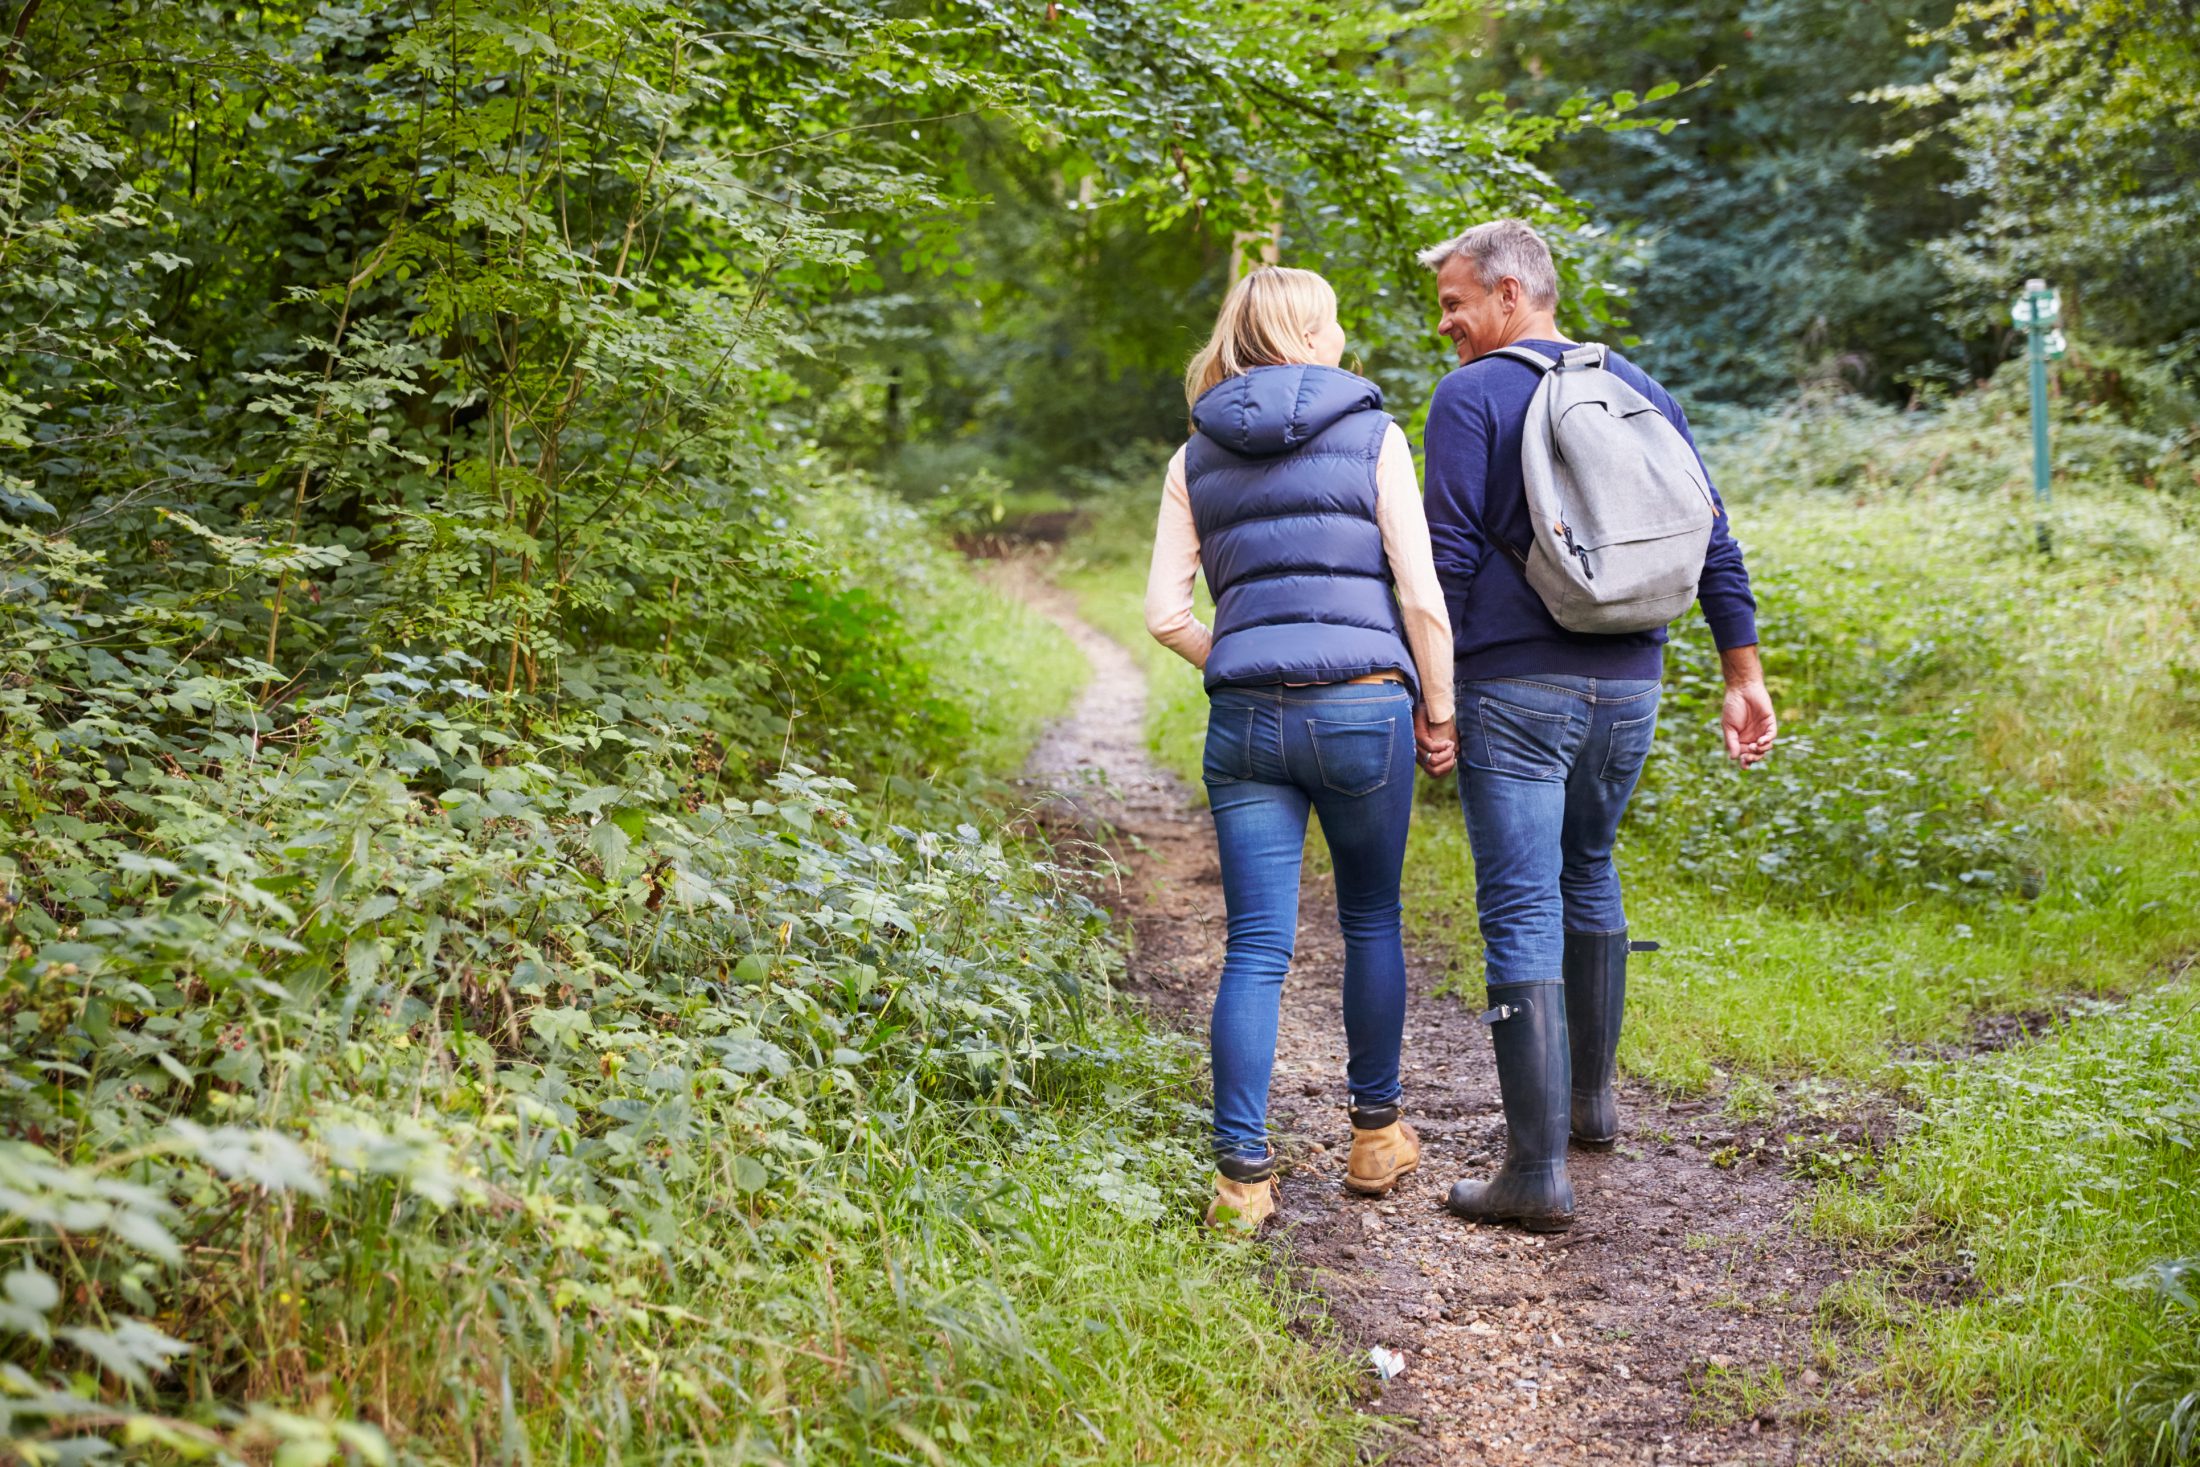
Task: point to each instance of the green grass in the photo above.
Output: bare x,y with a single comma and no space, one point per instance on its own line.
1983,803
2048,1181
1105,568
1011,667
1782,989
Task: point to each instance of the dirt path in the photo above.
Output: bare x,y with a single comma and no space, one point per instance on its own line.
1629,1339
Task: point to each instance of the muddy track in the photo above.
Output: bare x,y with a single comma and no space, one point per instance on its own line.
1626,1339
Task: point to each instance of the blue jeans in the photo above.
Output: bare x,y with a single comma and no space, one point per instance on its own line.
1344,750
1546,768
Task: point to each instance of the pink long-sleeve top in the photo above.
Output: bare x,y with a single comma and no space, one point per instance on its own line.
1405,543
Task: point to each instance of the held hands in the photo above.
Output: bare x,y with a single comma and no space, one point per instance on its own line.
1436,745
1748,719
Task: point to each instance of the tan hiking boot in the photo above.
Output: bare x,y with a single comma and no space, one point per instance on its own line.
1242,1206
1384,1149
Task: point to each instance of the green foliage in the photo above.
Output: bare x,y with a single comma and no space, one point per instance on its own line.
1055,330
1764,240
1853,194
1936,674
1105,565
612,1081
2074,129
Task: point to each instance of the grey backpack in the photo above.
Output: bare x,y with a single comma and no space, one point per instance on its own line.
1620,503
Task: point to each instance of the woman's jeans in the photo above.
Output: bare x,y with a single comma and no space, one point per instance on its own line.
1546,766
1346,751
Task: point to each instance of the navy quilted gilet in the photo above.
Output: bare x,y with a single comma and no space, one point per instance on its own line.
1281,474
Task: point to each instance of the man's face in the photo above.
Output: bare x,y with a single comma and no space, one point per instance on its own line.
1477,320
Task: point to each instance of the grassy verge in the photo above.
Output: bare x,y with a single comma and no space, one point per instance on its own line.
1011,667
1983,803
2048,1209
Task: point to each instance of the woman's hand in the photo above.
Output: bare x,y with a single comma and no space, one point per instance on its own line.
1435,745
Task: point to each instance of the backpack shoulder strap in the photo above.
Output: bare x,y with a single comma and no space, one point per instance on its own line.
1543,366
1527,354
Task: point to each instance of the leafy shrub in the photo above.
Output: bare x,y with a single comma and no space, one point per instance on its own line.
2162,1407
532,1043
1939,679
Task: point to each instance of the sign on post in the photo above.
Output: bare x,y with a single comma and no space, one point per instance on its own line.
2036,311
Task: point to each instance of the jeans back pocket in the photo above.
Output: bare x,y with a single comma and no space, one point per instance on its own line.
1229,753
1627,744
1517,740
1354,758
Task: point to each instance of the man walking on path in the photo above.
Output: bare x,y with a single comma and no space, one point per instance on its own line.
1553,726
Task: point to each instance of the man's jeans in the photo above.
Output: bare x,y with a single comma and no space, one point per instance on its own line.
1344,750
1546,766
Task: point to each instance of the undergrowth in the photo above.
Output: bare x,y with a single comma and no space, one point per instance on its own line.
448,1074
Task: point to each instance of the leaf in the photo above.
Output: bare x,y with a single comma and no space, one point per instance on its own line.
17,497
267,1158
372,1448
745,1054
253,553
145,1233
561,1026
28,1288
610,844
31,1296
131,1350
749,1174
373,909
591,801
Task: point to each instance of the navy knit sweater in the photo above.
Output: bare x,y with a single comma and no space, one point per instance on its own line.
1475,497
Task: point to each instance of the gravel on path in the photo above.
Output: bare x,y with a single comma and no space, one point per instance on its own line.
1672,1324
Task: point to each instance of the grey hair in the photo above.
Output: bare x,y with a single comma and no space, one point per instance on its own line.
1500,248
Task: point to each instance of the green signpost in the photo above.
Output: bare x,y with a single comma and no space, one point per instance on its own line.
2036,311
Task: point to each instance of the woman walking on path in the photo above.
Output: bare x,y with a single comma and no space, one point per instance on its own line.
1330,650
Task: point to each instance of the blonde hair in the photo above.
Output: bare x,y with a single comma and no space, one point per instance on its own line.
1264,322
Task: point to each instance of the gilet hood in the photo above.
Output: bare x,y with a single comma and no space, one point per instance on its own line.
1272,410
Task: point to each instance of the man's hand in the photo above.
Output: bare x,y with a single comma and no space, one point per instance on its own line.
1750,723
1436,745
